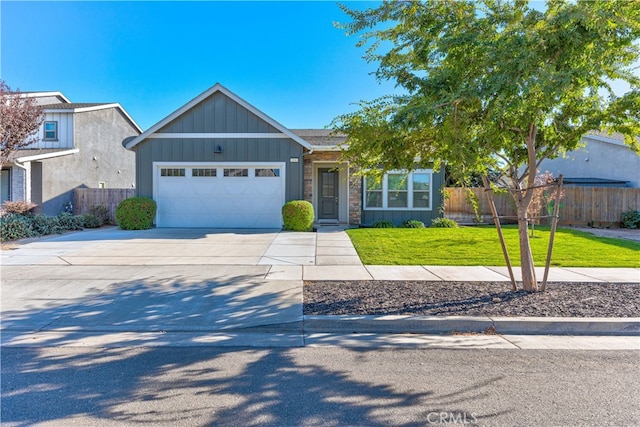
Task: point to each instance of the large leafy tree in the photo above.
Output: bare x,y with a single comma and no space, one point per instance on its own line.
493,85
20,118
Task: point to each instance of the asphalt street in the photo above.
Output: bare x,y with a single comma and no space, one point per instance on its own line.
329,386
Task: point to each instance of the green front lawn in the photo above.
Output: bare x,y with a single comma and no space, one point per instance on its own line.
481,246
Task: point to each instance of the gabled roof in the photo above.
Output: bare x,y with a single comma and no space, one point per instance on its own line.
615,138
130,143
44,94
81,107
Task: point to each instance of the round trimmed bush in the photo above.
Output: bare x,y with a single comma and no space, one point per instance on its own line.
298,215
136,213
383,223
413,223
444,223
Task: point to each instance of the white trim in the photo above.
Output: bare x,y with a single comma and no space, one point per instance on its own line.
95,108
215,88
47,155
42,94
385,192
321,148
218,135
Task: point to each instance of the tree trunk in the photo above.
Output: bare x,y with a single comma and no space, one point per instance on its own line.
529,281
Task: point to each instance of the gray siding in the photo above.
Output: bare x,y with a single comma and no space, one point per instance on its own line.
218,114
397,217
233,150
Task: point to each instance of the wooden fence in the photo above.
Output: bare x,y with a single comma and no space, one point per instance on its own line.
581,206
85,198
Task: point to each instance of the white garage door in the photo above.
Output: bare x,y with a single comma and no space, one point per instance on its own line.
220,196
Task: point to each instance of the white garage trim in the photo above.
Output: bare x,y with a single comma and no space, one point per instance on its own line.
218,201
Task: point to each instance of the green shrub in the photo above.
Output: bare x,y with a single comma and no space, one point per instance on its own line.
42,224
70,222
14,226
136,213
101,212
19,207
383,223
298,215
413,223
631,219
92,221
444,223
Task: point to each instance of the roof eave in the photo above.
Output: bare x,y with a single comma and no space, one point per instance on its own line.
44,156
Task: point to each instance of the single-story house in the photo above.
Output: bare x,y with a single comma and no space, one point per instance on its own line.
219,162
79,145
603,161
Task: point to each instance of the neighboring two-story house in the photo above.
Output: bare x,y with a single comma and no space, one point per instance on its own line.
79,145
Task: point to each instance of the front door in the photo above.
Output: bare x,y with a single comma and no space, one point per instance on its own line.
327,194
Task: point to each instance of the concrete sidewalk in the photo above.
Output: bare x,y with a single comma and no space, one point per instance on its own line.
237,288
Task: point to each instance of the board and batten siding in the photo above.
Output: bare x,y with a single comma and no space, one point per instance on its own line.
65,132
233,150
218,114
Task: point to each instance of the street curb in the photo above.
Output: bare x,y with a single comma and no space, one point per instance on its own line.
398,324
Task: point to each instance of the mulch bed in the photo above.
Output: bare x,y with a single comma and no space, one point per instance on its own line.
470,299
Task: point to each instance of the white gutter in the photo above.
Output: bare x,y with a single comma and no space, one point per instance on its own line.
43,156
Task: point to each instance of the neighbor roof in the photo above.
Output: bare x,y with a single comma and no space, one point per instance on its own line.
81,107
321,139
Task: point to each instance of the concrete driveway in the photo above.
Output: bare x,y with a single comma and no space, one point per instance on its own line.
190,286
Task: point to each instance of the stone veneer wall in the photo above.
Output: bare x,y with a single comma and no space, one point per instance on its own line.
355,183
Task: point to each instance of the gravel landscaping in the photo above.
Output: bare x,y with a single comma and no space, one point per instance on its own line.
470,299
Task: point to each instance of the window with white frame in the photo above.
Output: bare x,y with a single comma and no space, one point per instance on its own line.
50,130
399,190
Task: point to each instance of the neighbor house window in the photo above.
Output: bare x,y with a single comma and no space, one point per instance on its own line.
51,130
236,172
172,172
399,190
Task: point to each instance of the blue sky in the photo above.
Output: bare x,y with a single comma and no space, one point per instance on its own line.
285,58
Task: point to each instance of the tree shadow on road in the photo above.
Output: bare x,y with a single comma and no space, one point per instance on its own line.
141,379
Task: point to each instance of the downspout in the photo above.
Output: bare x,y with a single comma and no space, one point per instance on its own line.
27,180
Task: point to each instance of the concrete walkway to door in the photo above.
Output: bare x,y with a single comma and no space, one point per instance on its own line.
173,246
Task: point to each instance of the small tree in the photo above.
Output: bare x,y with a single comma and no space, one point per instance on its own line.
493,84
20,119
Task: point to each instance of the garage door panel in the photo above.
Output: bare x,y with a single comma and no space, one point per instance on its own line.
220,202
